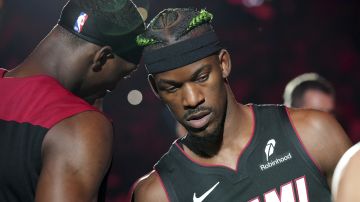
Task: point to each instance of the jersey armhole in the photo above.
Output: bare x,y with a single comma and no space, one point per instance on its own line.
2,72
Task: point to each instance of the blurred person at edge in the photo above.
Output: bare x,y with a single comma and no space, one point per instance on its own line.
346,179
312,91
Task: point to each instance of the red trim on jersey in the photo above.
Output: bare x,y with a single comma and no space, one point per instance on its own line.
301,142
133,187
252,134
38,100
306,187
2,72
241,152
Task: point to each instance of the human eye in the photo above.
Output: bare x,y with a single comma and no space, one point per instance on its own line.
202,77
168,88
171,89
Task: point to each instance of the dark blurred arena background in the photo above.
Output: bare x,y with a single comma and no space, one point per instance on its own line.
270,41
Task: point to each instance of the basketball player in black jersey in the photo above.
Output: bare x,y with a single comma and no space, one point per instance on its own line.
54,145
232,152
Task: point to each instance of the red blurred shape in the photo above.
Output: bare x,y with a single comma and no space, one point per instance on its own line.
263,12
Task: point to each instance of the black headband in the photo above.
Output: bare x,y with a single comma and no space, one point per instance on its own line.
181,53
97,30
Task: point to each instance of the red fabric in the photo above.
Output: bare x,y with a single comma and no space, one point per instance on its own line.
39,100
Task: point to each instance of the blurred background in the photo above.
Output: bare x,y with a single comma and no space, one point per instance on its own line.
270,41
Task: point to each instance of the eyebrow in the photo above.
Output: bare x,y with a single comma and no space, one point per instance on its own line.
193,76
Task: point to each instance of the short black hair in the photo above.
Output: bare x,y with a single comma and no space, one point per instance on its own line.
297,87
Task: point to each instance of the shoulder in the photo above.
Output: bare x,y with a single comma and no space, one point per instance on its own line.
86,136
346,178
308,118
150,189
316,125
76,154
87,125
321,135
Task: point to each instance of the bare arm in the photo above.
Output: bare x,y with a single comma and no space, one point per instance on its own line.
76,155
149,189
322,136
346,181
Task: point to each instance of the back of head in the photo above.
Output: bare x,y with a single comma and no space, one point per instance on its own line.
114,23
177,37
297,87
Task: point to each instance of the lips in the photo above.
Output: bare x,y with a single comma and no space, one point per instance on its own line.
199,120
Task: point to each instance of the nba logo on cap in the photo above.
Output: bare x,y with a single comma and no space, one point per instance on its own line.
80,22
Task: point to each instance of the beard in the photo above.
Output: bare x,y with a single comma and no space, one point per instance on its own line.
205,146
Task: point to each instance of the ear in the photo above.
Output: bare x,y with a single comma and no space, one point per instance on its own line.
225,62
101,57
152,83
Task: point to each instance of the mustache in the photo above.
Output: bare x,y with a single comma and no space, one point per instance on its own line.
190,112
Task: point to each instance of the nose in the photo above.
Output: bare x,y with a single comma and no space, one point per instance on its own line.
192,96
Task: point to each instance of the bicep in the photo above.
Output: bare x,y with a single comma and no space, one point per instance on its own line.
349,181
76,155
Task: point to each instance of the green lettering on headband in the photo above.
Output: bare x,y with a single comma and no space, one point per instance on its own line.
203,17
142,41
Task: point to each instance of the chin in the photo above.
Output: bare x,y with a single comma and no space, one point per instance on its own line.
205,143
201,133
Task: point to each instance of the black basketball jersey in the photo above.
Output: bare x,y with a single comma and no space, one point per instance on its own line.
274,167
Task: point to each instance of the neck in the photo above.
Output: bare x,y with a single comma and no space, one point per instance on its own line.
54,57
238,122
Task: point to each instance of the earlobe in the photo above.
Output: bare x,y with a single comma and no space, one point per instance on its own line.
225,62
152,83
101,57
97,66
